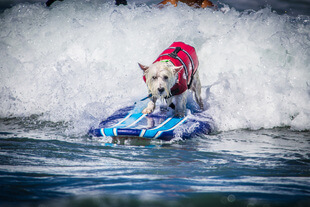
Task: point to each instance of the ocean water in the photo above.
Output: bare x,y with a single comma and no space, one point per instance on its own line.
65,68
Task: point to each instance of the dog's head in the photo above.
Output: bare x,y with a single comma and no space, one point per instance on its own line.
160,77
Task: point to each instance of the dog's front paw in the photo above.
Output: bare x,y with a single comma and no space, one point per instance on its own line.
147,110
150,108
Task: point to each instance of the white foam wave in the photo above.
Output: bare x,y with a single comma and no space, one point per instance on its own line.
77,61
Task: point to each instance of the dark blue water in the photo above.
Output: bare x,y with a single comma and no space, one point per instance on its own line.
236,168
63,69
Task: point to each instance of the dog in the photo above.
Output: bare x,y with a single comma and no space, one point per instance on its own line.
170,76
193,3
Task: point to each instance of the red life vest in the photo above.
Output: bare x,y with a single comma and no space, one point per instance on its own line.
181,54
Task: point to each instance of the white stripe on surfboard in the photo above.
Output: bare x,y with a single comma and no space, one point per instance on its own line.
160,132
102,132
115,131
141,117
142,132
124,119
162,124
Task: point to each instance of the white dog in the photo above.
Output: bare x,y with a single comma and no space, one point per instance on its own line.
169,77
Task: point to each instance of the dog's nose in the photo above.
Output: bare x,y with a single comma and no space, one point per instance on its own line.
161,90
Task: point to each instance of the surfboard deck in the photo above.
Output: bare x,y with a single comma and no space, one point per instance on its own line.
126,123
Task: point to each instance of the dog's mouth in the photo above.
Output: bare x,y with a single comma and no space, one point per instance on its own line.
161,93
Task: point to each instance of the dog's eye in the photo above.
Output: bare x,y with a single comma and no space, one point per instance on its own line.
165,77
154,77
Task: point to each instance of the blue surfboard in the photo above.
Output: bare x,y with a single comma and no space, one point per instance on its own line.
127,122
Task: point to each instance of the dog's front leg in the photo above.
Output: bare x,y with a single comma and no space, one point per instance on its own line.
180,107
150,106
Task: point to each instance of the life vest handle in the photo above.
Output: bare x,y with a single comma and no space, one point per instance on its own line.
174,54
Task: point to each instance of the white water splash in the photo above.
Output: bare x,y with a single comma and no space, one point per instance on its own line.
77,61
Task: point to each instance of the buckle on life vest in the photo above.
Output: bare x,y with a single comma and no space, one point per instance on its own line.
174,54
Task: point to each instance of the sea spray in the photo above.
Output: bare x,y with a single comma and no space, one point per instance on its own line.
77,61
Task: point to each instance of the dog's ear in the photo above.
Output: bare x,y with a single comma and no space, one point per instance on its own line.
143,67
177,69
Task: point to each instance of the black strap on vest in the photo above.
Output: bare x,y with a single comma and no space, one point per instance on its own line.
174,55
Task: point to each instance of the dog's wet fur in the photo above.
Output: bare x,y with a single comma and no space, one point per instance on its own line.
160,78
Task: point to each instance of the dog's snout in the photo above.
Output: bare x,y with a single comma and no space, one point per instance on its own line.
161,90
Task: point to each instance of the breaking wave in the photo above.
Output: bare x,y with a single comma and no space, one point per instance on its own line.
77,61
